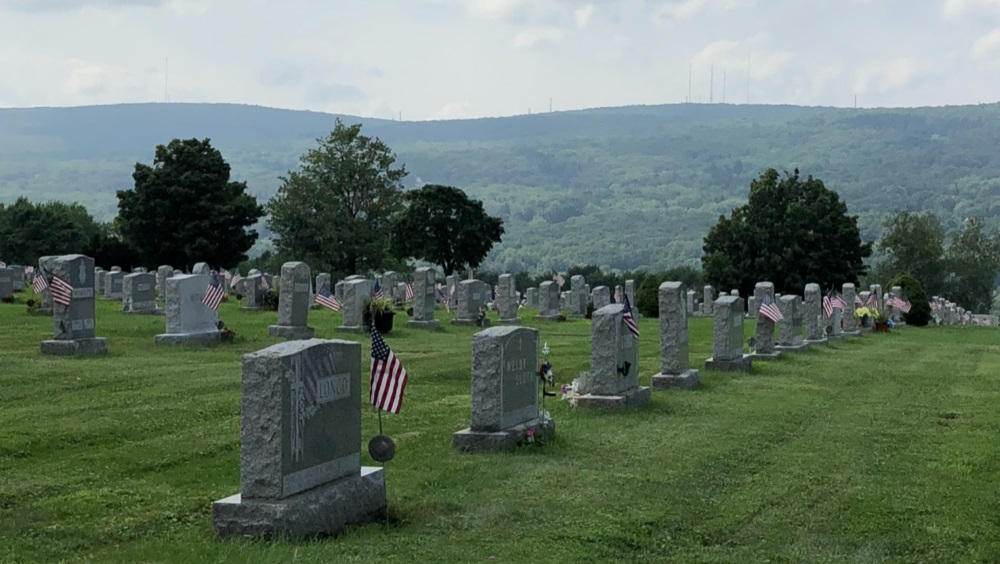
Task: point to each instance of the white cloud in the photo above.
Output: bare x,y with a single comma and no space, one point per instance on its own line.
765,60
987,45
452,110
536,36
888,75
676,10
959,8
582,15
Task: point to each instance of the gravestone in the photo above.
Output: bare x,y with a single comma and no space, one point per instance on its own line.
201,268
879,302
253,293
116,269
388,283
707,300
897,314
424,299
590,295
100,281
113,285
293,304
300,452
753,307
531,294
139,270
188,319
73,324
504,392
356,294
790,328
139,294
675,366
45,266
691,303
451,282
162,273
812,315
548,301
564,300
16,277
602,297
727,337
578,296
323,282
400,295
6,282
619,294
849,292
223,281
338,290
507,298
764,331
613,380
630,292
469,295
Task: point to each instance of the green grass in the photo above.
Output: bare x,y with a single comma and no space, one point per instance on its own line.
873,450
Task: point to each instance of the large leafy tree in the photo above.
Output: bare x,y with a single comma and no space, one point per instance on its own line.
28,230
184,209
443,226
973,259
791,232
914,243
335,211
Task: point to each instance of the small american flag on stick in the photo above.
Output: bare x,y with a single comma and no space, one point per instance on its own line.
558,279
264,284
377,290
629,319
770,310
872,300
38,284
62,292
409,291
213,293
328,300
388,378
235,279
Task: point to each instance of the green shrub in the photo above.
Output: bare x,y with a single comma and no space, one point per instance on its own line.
647,295
920,309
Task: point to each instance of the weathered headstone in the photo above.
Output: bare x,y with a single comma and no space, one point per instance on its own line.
300,453
613,380
812,314
113,285
6,282
548,301
338,290
707,300
188,319
897,314
469,295
507,298
388,282
727,337
139,294
162,273
424,299
45,265
100,281
293,304
201,268
833,327
504,392
879,301
764,330
630,292
356,295
73,324
578,296
690,303
790,328
602,297
675,367
532,296
752,307
17,277
451,284
253,293
849,292
116,269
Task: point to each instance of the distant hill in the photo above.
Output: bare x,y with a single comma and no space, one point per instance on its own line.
618,187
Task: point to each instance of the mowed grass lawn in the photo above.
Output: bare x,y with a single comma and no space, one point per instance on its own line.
877,449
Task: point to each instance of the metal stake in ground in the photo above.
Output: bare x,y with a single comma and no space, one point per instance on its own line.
382,449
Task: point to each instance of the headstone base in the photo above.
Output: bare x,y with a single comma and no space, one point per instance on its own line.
851,333
738,365
435,324
251,308
79,347
818,342
513,321
113,298
767,356
322,510
42,311
206,338
801,347
687,380
507,440
290,333
351,329
156,311
635,398
465,322
547,318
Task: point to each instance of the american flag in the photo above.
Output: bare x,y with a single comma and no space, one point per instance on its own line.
388,379
3,264
328,300
235,279
838,302
29,270
770,310
409,291
213,293
828,304
39,284
62,292
629,319
558,279
872,300
857,300
264,284
618,295
900,304
377,290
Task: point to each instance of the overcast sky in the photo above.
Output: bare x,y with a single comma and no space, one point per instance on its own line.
435,59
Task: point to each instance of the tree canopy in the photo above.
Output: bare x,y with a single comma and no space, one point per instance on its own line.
443,226
335,211
28,230
184,209
973,260
791,232
914,243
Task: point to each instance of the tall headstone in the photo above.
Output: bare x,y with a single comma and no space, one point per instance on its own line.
113,285
897,314
424,299
849,292
469,295
507,298
812,314
201,268
578,296
690,302
116,269
602,297
16,277
548,301
300,453
727,337
73,324
880,302
532,296
356,293
790,328
188,319
45,266
764,330
6,282
675,366
100,281
253,292
630,292
451,283
388,282
293,303
835,331
613,380
753,307
162,273
504,392
338,290
707,300
139,294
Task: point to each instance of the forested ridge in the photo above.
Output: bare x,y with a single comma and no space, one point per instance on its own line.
625,188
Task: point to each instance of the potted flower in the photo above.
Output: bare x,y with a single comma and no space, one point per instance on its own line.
378,312
882,323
